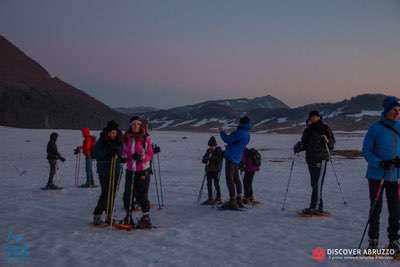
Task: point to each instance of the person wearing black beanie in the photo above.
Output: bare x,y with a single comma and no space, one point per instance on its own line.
317,140
213,158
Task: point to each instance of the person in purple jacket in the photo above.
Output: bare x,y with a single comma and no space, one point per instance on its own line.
250,164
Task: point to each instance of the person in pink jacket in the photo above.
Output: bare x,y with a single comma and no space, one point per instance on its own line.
138,153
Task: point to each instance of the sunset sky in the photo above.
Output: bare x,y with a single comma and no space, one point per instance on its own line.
172,52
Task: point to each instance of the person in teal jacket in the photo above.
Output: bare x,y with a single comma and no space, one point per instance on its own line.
236,143
381,149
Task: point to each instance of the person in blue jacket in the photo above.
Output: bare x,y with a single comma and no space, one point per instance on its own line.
381,149
236,143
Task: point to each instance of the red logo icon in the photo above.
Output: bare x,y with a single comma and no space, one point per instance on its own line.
318,254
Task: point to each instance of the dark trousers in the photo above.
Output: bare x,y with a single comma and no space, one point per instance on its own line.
141,184
392,198
317,174
248,184
232,179
213,177
53,170
104,200
89,170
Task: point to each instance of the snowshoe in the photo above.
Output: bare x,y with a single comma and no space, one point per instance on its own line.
126,224
208,202
395,245
52,187
229,205
144,222
308,212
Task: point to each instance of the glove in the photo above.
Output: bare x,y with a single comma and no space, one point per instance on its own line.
297,148
396,162
77,151
62,159
386,164
156,149
137,157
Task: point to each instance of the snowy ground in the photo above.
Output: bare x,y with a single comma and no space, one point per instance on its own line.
55,224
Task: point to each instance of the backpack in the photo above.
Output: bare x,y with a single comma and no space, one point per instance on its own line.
255,157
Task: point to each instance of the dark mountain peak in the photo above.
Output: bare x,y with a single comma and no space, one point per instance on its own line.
30,98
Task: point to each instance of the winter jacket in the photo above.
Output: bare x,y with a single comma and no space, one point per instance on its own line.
52,151
236,143
87,145
138,145
213,159
313,142
381,143
104,151
247,162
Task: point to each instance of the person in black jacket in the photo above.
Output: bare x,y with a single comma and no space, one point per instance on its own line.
108,146
317,141
52,156
213,158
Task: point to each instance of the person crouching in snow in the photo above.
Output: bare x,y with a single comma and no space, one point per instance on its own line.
52,156
213,158
250,164
138,153
107,151
86,148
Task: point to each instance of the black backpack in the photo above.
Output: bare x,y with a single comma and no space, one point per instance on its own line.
255,156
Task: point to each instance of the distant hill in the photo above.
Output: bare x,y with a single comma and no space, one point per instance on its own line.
208,114
135,110
347,115
31,98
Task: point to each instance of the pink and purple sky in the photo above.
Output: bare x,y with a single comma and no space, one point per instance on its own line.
167,53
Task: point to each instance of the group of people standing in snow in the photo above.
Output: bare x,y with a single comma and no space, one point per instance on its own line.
381,149
237,158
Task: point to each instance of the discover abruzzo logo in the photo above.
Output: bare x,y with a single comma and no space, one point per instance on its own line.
320,254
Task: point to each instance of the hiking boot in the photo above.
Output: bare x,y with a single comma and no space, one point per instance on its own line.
230,205
128,220
218,201
246,201
239,202
97,219
145,222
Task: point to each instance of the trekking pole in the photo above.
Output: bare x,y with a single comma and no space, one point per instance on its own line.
156,183
130,201
115,193
201,188
288,182
76,170
334,172
160,178
373,206
110,181
114,167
